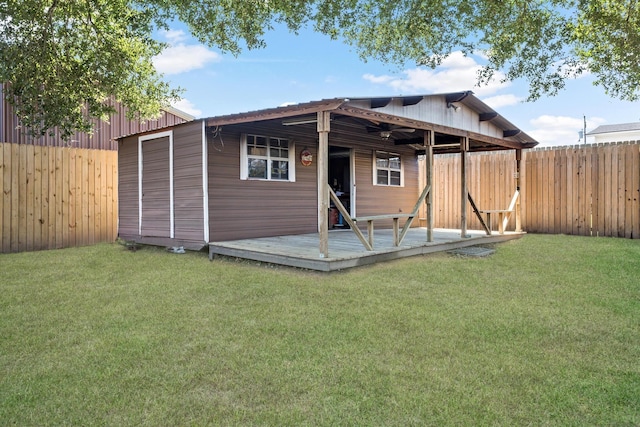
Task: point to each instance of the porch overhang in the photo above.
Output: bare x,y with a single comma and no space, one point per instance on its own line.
340,108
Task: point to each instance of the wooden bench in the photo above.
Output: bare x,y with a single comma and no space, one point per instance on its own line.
396,224
501,213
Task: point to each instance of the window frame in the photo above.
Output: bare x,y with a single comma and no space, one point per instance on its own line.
388,169
244,158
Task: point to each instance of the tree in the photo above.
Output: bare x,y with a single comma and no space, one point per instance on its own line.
62,60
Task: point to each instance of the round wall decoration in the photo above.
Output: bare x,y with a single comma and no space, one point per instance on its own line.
306,158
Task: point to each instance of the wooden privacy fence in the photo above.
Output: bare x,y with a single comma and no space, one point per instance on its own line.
56,197
581,190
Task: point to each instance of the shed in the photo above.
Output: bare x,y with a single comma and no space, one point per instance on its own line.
300,169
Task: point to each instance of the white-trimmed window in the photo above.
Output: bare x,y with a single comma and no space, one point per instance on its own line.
266,158
388,169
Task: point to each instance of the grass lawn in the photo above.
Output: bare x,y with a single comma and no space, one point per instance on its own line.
544,332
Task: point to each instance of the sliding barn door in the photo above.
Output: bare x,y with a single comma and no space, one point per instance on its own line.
156,188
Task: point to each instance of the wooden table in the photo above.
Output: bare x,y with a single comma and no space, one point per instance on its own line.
501,213
396,224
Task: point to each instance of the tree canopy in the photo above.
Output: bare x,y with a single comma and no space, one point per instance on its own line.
63,60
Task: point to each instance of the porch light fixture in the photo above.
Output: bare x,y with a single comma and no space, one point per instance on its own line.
299,121
452,105
385,134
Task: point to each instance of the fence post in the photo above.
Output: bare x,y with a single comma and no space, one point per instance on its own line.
464,146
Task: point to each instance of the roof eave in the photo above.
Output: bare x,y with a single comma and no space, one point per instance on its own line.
276,113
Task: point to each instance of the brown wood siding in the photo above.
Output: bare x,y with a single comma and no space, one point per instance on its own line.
187,182
128,207
103,138
156,213
248,208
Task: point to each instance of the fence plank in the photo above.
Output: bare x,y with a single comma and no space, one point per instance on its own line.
85,200
6,202
103,196
44,208
81,237
37,198
527,219
537,193
635,186
582,193
28,183
22,199
72,198
628,188
91,218
620,210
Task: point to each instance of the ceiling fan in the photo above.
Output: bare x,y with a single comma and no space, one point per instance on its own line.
385,130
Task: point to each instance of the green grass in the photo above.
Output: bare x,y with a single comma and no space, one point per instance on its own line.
544,332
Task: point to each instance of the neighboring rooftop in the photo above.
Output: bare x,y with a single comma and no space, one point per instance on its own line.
620,127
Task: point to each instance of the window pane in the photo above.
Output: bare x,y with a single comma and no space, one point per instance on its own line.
276,142
383,177
257,168
280,170
257,151
395,178
382,163
394,162
282,153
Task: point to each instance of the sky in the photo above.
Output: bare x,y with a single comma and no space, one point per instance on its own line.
310,67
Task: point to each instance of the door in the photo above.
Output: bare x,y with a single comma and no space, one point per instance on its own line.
342,182
156,188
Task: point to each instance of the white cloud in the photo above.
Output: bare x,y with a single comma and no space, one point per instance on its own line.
456,73
182,58
559,130
175,36
377,79
499,101
188,107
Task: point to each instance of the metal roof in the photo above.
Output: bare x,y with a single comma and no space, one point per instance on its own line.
468,99
344,106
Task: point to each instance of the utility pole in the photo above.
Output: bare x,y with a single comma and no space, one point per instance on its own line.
584,128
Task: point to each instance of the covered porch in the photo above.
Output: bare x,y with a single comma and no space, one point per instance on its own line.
381,140
346,251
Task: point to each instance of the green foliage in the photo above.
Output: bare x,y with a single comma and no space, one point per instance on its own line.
543,332
64,59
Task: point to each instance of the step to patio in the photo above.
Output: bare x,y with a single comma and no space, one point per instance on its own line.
475,251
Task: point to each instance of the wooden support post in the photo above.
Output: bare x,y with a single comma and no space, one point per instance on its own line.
370,232
518,181
347,217
323,179
429,141
464,146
